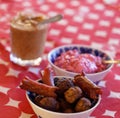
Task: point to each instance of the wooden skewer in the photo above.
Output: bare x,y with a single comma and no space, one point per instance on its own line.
111,61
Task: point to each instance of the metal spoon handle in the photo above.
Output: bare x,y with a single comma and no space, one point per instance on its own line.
52,19
112,61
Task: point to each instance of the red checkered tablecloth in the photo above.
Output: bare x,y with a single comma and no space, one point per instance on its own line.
86,22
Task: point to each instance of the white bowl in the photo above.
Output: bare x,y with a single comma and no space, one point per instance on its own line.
95,77
43,113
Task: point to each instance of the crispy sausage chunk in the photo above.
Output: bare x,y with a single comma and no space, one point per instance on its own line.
87,86
72,94
47,77
82,105
39,88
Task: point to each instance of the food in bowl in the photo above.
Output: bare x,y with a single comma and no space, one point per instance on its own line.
67,96
73,61
69,60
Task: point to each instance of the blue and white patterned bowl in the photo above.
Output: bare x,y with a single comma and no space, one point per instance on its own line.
95,77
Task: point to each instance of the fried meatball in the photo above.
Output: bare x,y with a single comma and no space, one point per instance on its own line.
72,94
83,104
49,103
65,107
63,84
37,99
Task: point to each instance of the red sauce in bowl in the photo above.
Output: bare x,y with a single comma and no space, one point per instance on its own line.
74,62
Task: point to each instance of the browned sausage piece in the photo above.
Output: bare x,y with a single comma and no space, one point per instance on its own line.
38,88
87,86
47,77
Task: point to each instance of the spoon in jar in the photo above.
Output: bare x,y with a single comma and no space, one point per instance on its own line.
111,61
49,20
52,19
